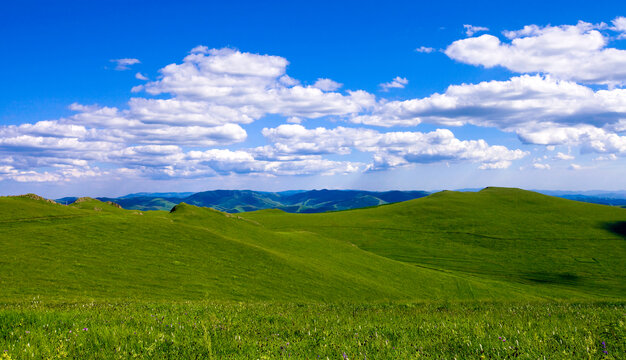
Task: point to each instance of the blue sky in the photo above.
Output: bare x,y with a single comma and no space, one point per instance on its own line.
288,95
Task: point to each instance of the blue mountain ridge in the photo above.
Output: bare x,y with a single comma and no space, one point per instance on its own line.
307,201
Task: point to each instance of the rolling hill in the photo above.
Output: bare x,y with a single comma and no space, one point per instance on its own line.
313,201
494,244
235,201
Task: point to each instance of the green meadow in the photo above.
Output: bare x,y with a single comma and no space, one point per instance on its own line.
500,273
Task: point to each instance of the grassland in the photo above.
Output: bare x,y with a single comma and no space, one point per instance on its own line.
200,330
442,276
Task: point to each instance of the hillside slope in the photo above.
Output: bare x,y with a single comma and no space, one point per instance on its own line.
496,244
503,234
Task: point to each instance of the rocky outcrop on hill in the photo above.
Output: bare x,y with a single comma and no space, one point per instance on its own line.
114,204
36,197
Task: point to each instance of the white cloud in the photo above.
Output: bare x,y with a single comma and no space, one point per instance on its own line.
185,112
64,173
389,149
619,24
397,83
541,110
204,101
189,135
541,166
45,128
470,30
43,144
327,85
609,157
124,64
504,164
589,138
200,49
575,167
243,162
505,104
571,52
141,76
288,80
211,93
425,49
562,156
253,85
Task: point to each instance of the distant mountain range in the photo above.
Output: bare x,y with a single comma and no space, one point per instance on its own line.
235,201
308,201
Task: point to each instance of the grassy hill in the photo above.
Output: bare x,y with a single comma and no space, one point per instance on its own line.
494,244
498,274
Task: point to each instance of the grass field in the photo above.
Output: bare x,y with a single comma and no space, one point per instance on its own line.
200,330
446,275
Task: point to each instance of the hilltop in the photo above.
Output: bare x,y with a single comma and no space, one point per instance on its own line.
494,244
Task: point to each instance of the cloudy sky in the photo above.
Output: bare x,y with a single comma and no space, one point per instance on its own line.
124,96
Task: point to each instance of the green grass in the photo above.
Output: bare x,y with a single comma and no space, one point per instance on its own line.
474,266
490,245
509,235
200,330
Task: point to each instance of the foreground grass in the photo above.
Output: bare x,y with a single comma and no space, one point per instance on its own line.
210,330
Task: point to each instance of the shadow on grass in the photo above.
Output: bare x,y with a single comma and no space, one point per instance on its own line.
618,228
553,278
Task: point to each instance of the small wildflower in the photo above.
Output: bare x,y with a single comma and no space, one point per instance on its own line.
85,329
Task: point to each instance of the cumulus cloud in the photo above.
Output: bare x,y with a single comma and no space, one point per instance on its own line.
124,64
609,157
425,49
505,104
495,165
470,30
181,125
141,76
619,25
390,149
396,83
562,156
62,173
541,166
243,162
253,85
589,138
541,110
327,85
202,103
571,52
